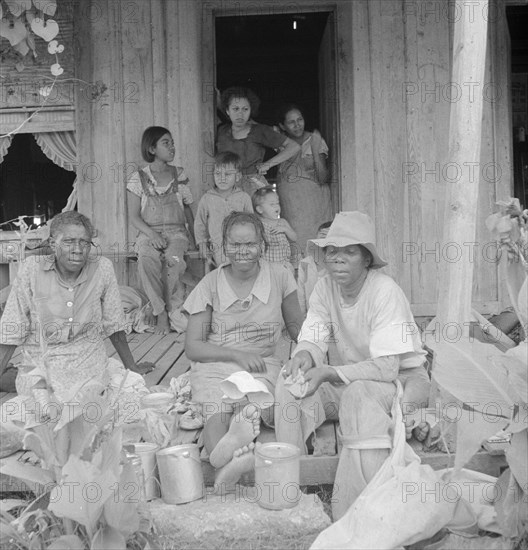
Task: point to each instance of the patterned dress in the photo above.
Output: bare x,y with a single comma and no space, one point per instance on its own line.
278,249
60,324
304,202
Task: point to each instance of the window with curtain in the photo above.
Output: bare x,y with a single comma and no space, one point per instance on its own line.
38,177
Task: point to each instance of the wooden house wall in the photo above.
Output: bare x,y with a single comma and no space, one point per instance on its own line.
144,66
394,96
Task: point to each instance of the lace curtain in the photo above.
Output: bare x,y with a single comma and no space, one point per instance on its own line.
5,142
61,148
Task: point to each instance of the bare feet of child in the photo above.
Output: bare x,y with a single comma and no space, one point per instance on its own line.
244,427
150,319
419,432
243,461
162,323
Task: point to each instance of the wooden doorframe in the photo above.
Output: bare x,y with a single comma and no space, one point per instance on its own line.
217,8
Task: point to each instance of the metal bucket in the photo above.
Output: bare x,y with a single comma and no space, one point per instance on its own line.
277,475
180,472
147,454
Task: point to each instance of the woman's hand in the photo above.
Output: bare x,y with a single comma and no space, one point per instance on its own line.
263,168
252,362
143,368
301,361
316,377
316,138
158,241
321,169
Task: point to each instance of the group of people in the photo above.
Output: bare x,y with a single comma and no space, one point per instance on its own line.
239,311
160,198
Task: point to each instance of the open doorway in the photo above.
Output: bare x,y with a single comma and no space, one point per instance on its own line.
287,58
517,24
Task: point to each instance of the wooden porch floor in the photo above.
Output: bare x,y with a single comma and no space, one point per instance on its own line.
166,352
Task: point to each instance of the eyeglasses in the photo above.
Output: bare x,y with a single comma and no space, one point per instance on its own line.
72,243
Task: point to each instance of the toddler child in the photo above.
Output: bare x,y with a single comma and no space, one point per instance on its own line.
158,204
225,197
277,230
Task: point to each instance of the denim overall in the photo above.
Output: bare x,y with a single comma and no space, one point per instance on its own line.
164,214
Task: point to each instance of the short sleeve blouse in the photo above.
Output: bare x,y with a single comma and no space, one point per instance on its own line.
252,324
252,148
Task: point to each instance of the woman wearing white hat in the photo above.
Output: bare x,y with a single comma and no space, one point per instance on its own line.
369,318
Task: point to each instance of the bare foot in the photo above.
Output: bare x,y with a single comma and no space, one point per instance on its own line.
421,431
149,317
162,323
408,427
244,428
243,461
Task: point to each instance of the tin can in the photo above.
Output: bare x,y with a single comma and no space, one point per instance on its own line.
135,462
181,476
147,454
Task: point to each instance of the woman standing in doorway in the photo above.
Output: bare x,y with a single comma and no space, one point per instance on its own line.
303,188
249,139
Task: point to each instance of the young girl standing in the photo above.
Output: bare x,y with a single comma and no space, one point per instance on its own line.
158,204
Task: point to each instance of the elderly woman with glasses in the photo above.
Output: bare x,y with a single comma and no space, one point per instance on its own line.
369,318
61,308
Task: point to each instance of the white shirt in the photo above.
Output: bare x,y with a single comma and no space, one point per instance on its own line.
380,323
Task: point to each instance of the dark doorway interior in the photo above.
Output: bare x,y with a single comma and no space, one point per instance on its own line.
31,184
276,56
518,25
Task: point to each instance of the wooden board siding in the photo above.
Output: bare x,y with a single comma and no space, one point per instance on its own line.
400,84
393,80
145,58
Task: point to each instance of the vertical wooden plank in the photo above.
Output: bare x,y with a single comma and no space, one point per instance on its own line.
387,75
328,104
502,115
207,93
159,62
355,107
135,93
83,120
184,84
485,283
427,74
469,56
100,197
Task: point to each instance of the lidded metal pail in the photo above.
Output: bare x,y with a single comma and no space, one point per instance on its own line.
180,472
277,475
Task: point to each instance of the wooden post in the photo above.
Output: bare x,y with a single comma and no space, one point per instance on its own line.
465,129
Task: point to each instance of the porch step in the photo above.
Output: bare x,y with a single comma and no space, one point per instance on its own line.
321,470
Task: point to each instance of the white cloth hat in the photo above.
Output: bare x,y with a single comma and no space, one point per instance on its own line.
352,228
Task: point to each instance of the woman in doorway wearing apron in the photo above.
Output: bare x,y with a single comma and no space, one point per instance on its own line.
303,187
